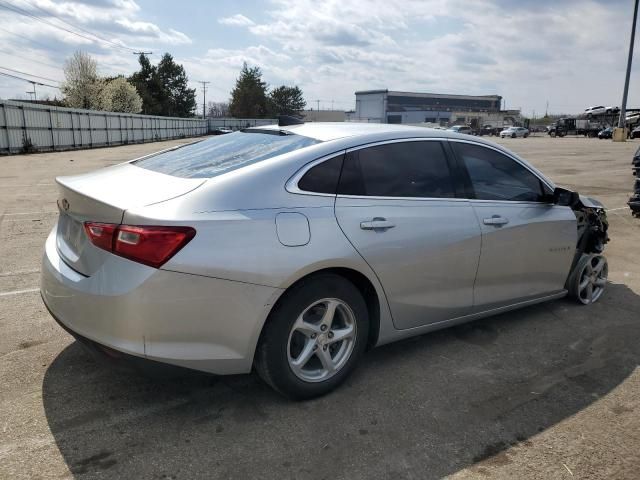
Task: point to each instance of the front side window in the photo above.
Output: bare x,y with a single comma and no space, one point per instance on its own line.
224,153
403,169
495,176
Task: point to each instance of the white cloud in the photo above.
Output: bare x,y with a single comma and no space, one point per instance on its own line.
237,20
569,53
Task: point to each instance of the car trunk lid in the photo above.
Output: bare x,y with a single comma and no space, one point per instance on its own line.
104,196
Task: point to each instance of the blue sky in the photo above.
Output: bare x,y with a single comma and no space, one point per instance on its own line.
571,53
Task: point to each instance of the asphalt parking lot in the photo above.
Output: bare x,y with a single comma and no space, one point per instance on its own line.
550,391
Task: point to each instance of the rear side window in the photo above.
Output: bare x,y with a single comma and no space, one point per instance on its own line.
223,153
495,176
404,169
323,178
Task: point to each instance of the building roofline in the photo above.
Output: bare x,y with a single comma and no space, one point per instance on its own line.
432,95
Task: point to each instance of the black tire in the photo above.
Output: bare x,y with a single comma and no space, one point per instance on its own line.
526,135
271,358
513,135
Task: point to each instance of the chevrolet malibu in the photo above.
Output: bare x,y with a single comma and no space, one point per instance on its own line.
293,249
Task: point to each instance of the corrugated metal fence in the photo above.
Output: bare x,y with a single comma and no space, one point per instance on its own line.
31,127
239,123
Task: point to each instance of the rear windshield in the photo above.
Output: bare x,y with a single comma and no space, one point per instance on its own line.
223,153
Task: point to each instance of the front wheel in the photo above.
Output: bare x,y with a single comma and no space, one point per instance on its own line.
314,337
588,279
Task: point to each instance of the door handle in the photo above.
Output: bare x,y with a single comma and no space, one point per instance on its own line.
496,221
378,223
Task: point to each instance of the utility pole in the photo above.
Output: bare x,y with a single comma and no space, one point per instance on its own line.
35,97
623,107
546,110
318,102
204,97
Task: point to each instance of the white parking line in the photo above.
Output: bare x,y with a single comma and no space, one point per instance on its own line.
26,213
19,272
614,209
9,185
19,292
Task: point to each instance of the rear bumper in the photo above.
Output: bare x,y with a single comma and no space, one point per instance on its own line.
190,321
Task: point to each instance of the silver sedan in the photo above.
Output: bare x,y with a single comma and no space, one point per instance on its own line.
293,249
514,132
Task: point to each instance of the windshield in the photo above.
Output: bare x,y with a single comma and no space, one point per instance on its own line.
224,153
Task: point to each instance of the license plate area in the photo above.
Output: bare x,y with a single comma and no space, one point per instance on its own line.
71,237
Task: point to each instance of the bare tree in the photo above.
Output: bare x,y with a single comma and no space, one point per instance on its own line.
217,109
82,86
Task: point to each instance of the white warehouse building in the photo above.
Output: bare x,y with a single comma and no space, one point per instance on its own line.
386,106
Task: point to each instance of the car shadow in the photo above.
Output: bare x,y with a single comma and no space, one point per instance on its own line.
421,408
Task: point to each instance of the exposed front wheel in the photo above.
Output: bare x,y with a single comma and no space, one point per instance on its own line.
314,337
589,278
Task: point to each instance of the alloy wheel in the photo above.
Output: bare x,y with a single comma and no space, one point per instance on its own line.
321,340
593,279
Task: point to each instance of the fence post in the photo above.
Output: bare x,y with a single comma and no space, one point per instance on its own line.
24,127
6,126
106,127
53,141
90,132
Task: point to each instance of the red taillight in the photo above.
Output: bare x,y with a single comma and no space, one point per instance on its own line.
153,246
101,234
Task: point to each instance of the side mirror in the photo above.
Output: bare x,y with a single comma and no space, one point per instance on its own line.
564,197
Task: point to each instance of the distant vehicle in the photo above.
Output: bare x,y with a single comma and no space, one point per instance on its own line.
595,110
605,133
221,131
599,110
635,133
461,129
574,126
486,130
514,132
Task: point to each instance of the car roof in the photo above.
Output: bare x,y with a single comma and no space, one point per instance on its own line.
326,131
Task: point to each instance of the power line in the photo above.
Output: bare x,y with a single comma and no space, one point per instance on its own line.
77,27
22,57
27,80
26,38
30,75
18,10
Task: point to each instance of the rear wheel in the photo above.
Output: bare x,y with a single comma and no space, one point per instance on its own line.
314,337
589,278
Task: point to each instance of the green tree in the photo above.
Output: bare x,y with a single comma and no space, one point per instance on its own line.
286,100
249,97
178,99
164,88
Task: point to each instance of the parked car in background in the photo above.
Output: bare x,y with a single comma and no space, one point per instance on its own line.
294,249
635,133
461,129
605,133
221,131
514,132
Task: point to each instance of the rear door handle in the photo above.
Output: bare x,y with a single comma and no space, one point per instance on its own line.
378,223
496,221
